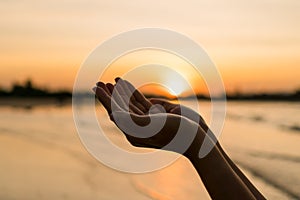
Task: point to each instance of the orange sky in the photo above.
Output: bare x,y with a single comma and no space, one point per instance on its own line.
255,44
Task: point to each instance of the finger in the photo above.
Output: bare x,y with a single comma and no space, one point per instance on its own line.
123,95
129,89
104,98
125,87
110,87
167,105
135,109
123,90
117,79
139,97
126,94
138,105
103,86
175,110
118,99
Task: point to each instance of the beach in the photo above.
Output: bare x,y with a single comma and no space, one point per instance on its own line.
42,156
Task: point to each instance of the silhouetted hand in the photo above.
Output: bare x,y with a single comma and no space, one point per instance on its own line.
156,122
179,109
124,103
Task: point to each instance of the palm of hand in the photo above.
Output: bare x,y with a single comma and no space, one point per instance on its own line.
123,99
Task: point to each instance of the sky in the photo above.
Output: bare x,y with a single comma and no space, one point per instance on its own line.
255,44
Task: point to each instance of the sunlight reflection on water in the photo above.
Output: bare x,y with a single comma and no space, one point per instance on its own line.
41,145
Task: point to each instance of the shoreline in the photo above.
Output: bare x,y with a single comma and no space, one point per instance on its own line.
30,102
35,101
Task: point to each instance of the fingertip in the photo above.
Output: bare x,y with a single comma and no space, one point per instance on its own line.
129,85
110,87
155,101
99,91
121,81
152,100
117,79
94,89
100,84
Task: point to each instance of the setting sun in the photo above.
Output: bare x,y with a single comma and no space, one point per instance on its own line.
175,85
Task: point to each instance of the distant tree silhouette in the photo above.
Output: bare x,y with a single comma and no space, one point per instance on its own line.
29,90
3,92
28,84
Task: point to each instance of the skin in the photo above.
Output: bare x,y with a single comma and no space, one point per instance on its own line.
221,177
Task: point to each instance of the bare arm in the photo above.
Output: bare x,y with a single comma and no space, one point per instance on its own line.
192,115
217,174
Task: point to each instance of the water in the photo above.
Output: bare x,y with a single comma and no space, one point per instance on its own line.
43,158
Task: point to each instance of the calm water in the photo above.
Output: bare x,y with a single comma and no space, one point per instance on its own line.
43,158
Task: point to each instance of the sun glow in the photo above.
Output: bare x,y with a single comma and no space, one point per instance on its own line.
175,86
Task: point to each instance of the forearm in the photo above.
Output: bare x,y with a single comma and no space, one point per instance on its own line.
242,176
238,172
217,175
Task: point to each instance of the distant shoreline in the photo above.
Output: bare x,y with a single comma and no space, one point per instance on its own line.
29,102
28,94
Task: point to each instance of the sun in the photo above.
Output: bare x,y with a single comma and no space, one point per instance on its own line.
175,86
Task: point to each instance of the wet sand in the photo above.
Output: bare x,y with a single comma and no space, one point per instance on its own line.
43,158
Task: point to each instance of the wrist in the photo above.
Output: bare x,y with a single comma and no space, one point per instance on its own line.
194,116
192,153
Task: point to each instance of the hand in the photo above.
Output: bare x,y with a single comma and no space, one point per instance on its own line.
122,100
179,109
